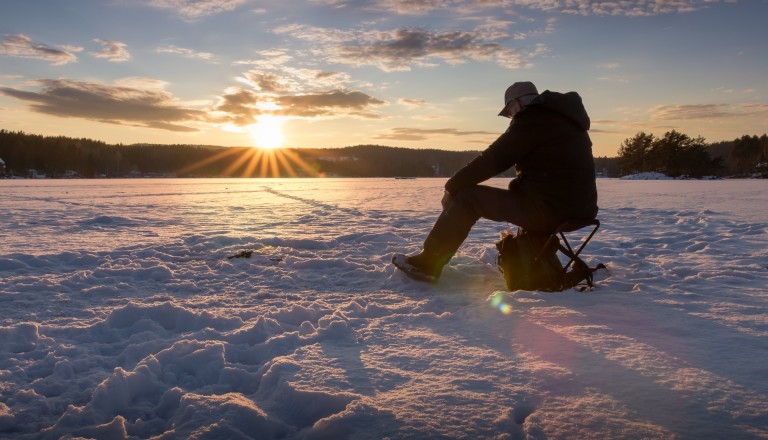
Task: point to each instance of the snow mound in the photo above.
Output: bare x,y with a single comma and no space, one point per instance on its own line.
647,176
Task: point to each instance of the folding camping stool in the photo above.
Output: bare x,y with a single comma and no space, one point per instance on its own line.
566,249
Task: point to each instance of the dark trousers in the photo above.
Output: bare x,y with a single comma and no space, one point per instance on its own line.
466,208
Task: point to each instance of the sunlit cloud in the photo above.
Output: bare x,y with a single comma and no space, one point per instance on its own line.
608,66
492,28
708,111
753,109
404,48
479,6
273,75
729,90
581,7
394,50
416,7
329,104
195,9
323,78
268,59
272,72
411,7
317,35
114,51
279,89
614,79
289,79
141,82
623,8
21,46
411,102
241,107
419,134
238,107
520,33
266,82
610,76
186,53
110,103
11,77
692,111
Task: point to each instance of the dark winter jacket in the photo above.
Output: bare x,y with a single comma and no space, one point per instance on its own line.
548,144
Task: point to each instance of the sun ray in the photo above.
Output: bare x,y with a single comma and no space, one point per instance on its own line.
230,170
264,164
281,156
250,169
273,163
295,158
252,162
197,165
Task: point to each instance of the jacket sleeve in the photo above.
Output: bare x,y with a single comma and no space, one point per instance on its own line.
502,154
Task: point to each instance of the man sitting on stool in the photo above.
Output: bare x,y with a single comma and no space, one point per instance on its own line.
548,144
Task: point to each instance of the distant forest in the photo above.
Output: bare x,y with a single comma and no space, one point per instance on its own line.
679,155
29,155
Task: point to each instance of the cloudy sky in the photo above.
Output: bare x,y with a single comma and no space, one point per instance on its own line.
409,73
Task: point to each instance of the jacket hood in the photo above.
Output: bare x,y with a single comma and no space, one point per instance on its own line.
567,104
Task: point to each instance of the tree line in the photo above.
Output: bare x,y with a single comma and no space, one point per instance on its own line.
60,156
677,154
674,154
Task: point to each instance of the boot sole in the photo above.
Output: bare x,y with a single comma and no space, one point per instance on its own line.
400,261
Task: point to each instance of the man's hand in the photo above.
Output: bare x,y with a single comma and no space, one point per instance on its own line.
446,200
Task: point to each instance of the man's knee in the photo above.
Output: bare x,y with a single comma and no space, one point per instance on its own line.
491,203
466,202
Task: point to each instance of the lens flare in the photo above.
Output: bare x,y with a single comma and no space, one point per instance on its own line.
497,302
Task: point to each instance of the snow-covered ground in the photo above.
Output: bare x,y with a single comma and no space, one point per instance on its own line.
121,316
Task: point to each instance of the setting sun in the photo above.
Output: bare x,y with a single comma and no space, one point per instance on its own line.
267,132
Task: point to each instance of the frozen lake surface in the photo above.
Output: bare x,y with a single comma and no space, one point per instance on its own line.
121,316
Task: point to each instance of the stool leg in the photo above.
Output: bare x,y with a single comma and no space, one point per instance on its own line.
581,248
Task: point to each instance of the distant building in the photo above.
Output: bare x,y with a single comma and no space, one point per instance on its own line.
2,167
